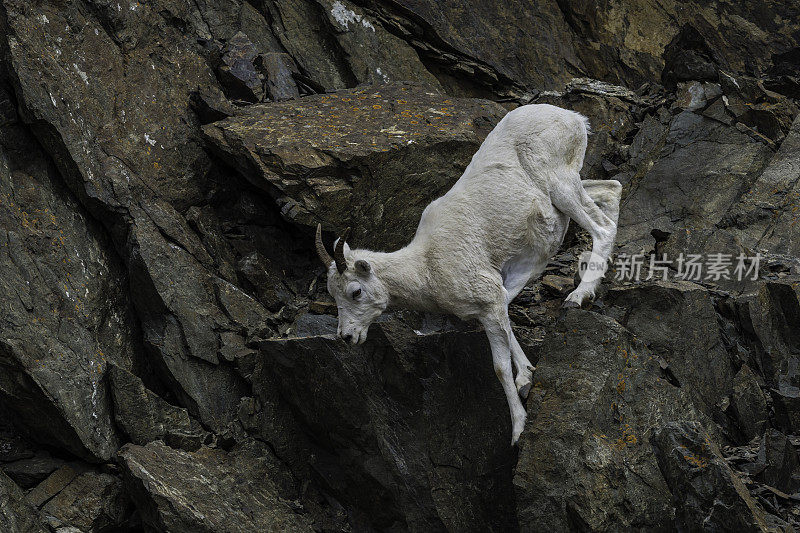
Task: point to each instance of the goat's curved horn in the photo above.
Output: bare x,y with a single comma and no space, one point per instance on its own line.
338,252
321,251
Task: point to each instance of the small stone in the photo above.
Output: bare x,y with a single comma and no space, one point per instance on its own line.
559,285
608,166
718,111
28,472
691,96
211,105
53,484
238,72
320,307
266,279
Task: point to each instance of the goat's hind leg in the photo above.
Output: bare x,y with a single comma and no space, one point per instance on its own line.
571,198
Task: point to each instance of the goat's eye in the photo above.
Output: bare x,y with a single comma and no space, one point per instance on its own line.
356,294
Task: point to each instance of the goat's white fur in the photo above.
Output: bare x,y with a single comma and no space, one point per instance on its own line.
478,245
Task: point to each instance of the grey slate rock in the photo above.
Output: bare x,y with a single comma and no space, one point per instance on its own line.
145,417
16,514
704,488
782,465
207,490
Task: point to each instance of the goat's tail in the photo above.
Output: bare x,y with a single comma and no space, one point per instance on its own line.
577,147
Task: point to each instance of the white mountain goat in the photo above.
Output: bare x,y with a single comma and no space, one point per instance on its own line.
478,245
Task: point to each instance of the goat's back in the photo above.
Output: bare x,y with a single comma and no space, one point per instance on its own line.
529,147
541,136
501,204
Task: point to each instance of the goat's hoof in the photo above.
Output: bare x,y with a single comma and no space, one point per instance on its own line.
568,304
525,390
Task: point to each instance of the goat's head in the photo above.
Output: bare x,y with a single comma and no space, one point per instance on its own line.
360,296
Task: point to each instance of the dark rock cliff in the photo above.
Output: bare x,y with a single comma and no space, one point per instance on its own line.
166,357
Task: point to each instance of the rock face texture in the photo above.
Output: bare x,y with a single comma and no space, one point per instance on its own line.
197,492
585,461
59,274
16,514
414,416
168,359
705,489
344,158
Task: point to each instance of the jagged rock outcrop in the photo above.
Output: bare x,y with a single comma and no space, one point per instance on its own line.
58,275
678,322
410,426
747,406
698,168
705,489
29,471
16,515
370,158
92,501
207,490
144,416
585,461
773,314
762,218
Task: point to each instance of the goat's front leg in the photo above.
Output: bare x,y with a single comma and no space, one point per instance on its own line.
498,330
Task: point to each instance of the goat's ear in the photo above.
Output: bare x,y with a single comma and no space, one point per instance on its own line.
363,268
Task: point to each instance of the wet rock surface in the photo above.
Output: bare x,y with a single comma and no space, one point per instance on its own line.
167,357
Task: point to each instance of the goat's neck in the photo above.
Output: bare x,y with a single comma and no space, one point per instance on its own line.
404,275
